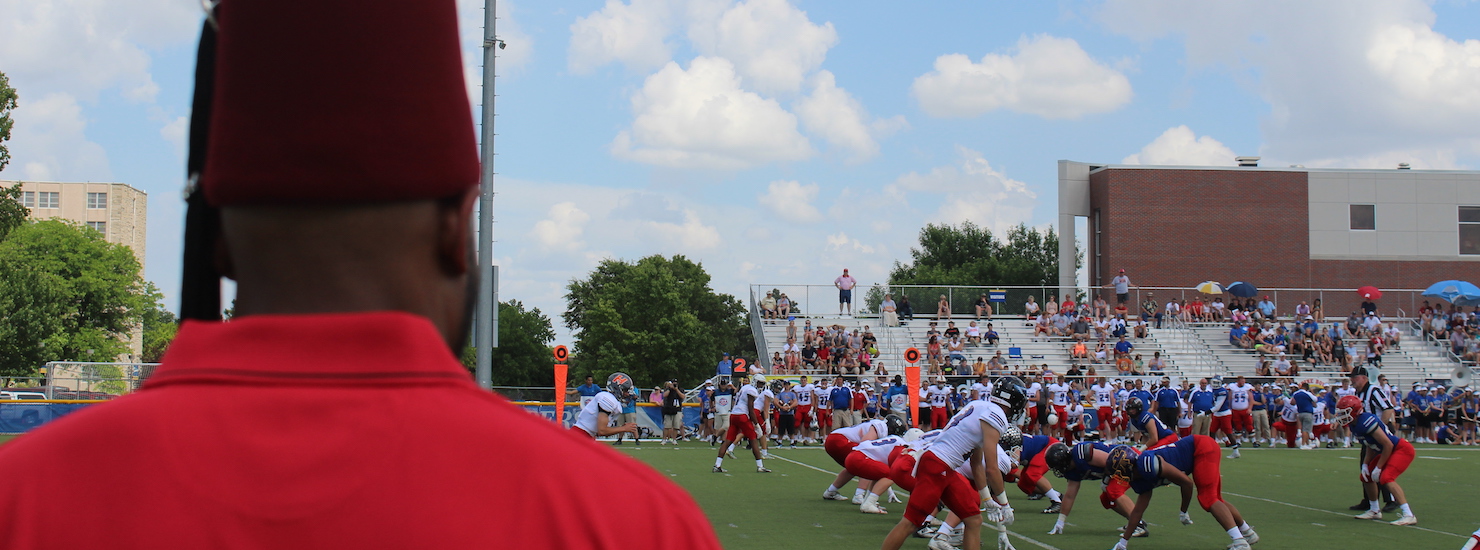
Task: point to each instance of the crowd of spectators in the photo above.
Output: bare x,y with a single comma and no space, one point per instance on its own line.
1453,326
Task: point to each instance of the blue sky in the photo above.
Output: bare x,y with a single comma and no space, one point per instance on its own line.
781,141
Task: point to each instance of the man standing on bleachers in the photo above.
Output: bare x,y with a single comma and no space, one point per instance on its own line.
845,283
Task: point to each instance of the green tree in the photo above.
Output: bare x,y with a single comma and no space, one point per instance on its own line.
75,296
655,319
160,326
8,99
969,255
523,355
12,213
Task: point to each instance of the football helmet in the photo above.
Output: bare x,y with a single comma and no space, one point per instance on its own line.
1011,439
913,434
1347,409
759,380
896,424
1216,382
1009,393
1134,406
619,384
778,385
1058,459
1121,463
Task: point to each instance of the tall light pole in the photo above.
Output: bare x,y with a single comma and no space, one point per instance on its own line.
486,319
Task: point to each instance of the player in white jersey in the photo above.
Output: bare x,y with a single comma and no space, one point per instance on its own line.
806,395
764,420
975,430
746,396
939,395
1105,408
594,419
1032,391
981,390
1059,397
952,530
824,408
1241,395
1184,416
870,460
842,441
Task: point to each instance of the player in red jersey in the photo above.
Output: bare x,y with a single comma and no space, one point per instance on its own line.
747,397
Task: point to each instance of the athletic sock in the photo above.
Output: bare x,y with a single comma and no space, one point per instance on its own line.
1244,527
832,489
760,463
719,461
858,493
1053,495
1406,511
944,528
1374,505
1235,534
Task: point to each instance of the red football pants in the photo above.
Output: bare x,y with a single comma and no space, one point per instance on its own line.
936,482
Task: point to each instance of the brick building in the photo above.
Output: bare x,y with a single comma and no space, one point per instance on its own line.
116,210
1177,226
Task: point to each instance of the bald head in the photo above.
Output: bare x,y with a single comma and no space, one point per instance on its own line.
415,257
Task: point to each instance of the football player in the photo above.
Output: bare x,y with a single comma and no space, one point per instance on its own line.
976,430
1156,433
1059,396
1030,478
870,460
747,398
1086,462
1223,415
841,442
1105,407
595,419
805,394
1192,464
1384,457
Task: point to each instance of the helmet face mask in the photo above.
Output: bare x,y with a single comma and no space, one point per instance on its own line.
1011,439
1134,405
619,384
1347,409
1217,382
1009,393
1058,459
897,425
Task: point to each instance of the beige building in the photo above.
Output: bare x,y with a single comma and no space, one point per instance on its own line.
116,210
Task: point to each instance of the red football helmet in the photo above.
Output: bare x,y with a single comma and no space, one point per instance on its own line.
1347,408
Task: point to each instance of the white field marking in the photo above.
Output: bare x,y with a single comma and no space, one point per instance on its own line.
1439,457
1037,543
1318,524
1337,513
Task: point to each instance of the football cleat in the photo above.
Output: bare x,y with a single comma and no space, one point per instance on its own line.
1035,496
1139,532
833,495
1250,536
1406,520
925,532
1052,508
1369,514
1239,544
1391,507
719,470
1361,505
940,541
857,498
762,470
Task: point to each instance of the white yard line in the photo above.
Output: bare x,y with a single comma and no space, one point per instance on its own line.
1336,513
1020,536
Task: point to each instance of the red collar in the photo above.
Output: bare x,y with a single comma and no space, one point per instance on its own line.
383,348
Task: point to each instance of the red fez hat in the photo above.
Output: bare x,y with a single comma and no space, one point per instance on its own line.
333,101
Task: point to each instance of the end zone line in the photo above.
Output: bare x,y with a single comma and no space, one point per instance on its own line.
984,530
1340,514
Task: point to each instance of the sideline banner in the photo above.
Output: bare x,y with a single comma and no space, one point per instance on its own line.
17,417
648,415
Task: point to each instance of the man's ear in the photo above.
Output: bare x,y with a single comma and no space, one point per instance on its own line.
455,232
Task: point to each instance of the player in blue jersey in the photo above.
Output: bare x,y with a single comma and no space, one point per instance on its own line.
1033,465
1156,433
1223,415
1384,457
1191,463
1086,462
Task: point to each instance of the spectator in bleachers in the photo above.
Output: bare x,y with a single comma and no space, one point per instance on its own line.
1061,324
1150,309
1051,305
997,363
1174,310
1392,337
1042,327
1101,309
932,354
1123,348
1080,328
1142,330
768,306
1457,341
1117,326
1079,351
792,355
1102,353
783,306
1138,366
973,334
943,308
933,330
956,348
1197,311
1263,369
1238,336
906,311
1317,311
983,308
809,356
951,330
1302,310
1157,364
869,341
1123,364
979,367
1030,308
1266,308
991,335
1068,307
791,330
890,311
1218,310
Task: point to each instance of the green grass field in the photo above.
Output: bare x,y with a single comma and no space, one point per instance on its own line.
1295,499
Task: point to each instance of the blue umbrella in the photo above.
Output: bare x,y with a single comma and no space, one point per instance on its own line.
1459,293
1242,289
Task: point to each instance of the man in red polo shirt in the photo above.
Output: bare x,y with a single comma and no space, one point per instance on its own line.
335,171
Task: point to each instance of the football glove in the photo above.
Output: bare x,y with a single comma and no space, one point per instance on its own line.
1376,474
1058,526
1366,474
1184,518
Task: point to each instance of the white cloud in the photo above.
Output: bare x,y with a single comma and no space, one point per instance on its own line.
974,191
49,143
633,34
701,118
690,236
1049,77
841,241
834,115
773,44
792,201
1343,79
176,131
1180,146
562,229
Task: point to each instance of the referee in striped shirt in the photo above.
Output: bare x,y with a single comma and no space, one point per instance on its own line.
1377,402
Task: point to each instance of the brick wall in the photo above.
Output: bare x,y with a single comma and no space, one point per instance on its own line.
1177,228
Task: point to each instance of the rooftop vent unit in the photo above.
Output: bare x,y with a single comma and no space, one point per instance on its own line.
1249,162
1403,166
